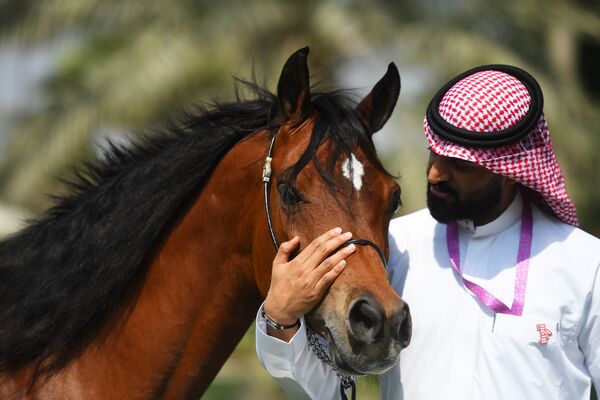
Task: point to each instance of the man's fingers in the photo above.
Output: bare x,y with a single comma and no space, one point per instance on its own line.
332,261
324,249
330,277
312,246
285,249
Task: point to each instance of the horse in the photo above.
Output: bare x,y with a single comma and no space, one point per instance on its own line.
140,283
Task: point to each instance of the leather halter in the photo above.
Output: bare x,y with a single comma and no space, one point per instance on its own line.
346,381
266,178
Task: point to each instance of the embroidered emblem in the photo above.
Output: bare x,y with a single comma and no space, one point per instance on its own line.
544,332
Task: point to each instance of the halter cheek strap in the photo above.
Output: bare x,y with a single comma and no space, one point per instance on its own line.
266,178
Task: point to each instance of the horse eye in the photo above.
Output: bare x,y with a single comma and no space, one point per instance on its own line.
396,202
288,194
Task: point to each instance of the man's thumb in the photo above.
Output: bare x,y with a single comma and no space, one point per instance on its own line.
285,250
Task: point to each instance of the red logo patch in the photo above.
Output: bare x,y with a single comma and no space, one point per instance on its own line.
544,332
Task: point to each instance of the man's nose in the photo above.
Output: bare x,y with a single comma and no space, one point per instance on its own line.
438,169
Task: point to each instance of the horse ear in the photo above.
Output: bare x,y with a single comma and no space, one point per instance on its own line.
376,108
293,88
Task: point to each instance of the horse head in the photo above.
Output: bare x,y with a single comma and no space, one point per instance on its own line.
325,174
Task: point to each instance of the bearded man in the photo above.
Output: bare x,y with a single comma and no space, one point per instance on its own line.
503,287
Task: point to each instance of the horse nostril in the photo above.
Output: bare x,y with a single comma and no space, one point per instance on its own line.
403,325
365,321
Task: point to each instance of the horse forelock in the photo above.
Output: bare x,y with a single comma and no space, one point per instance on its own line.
336,121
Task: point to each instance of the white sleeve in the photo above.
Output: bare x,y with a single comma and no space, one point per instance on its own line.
589,336
295,367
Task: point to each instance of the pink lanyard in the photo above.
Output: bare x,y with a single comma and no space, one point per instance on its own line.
522,266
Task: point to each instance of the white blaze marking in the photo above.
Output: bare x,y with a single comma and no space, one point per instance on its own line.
354,171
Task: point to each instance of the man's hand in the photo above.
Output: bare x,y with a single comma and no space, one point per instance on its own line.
298,285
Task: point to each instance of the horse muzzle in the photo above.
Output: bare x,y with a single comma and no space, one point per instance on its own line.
368,340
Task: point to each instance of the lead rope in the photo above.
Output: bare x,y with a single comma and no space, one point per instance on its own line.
346,381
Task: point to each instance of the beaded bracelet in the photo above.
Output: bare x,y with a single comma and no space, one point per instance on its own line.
276,325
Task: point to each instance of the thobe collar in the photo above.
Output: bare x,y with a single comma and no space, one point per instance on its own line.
505,220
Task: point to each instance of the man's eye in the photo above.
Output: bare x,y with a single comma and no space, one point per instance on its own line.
463,164
288,195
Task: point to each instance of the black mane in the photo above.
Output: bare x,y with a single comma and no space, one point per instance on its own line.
63,276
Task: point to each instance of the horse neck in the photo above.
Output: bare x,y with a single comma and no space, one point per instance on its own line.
200,293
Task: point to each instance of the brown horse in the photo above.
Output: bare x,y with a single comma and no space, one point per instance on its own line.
140,284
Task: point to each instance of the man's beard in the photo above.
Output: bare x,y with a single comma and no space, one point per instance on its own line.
475,206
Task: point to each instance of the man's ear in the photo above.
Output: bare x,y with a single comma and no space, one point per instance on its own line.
293,88
376,108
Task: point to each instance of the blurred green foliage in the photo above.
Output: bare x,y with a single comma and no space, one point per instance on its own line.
128,64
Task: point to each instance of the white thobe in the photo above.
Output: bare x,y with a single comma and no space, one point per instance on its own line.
460,349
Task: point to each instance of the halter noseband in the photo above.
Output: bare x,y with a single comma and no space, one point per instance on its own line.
266,178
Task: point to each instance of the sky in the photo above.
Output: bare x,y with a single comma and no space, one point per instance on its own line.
22,69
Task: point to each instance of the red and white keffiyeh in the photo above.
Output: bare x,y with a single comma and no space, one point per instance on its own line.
489,101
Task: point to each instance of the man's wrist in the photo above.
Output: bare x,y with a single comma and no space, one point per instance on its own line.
280,317
274,324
